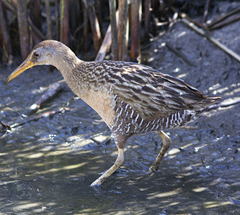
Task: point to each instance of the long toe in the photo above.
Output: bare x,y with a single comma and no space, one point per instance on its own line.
153,168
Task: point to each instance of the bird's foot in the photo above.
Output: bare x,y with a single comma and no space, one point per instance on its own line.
111,170
148,170
99,181
140,165
153,168
95,184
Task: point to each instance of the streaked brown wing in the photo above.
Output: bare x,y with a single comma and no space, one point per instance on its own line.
152,93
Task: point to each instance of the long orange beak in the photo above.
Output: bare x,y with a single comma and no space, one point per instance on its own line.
24,66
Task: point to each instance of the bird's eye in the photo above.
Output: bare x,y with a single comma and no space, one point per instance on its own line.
36,55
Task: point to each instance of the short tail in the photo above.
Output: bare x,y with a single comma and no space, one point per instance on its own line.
208,101
211,100
204,102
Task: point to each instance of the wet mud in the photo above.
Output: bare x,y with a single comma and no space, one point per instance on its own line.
46,167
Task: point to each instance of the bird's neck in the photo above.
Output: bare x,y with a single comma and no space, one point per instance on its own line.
66,61
74,72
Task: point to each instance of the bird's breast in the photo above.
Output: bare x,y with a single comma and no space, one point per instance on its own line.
103,103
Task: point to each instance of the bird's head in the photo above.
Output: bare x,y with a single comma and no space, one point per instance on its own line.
42,54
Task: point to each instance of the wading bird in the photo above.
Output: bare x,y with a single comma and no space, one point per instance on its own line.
131,98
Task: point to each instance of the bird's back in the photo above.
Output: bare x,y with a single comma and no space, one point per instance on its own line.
143,99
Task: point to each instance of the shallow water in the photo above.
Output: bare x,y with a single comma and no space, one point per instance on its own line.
47,166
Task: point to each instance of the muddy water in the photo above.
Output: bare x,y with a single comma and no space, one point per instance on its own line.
47,166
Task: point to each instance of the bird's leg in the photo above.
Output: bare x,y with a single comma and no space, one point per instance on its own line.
119,161
166,144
